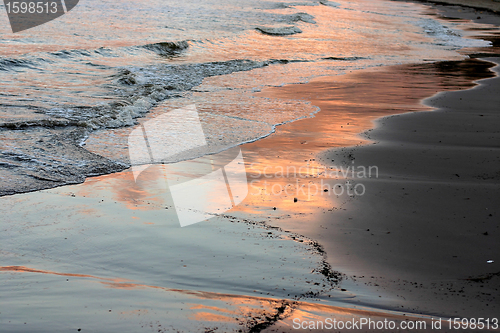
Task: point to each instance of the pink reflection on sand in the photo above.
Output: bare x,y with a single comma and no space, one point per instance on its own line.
23,269
239,309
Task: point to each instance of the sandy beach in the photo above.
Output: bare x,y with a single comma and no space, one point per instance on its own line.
425,234
426,231
382,206
441,183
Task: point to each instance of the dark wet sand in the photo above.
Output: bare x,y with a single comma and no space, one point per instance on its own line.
423,233
401,267
419,232
427,226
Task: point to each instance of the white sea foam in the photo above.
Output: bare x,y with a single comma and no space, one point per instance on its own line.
445,35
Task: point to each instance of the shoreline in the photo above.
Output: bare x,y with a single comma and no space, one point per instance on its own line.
319,217
456,287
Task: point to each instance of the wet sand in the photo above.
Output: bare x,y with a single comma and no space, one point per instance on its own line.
427,225
425,234
109,256
111,243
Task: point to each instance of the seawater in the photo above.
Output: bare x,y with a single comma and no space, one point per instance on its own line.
72,88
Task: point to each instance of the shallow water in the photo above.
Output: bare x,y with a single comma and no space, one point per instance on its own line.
109,255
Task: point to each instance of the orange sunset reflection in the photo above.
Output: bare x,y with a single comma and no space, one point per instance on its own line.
284,170
349,104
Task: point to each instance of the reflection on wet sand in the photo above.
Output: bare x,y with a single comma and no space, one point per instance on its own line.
242,310
175,256
349,104
127,191
23,269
